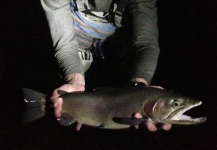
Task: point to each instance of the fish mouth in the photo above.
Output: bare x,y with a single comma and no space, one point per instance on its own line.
178,116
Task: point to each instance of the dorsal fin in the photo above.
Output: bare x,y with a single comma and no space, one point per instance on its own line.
61,92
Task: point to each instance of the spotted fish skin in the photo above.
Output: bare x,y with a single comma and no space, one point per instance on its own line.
114,108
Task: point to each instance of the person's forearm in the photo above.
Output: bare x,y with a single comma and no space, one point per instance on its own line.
144,39
60,21
76,78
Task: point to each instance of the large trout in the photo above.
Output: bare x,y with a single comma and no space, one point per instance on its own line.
114,108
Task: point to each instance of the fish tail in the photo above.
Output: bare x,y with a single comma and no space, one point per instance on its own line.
35,103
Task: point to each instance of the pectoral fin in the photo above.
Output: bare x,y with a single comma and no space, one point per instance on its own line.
129,121
65,120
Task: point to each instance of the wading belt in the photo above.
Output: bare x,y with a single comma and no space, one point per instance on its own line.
93,27
113,9
91,31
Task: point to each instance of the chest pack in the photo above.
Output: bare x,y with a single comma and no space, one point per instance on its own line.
111,10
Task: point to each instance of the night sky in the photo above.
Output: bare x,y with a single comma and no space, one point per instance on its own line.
187,64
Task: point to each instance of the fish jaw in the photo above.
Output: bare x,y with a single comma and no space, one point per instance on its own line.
178,117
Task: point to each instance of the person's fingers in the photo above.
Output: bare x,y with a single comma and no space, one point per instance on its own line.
78,126
54,95
137,115
151,126
53,99
58,107
166,127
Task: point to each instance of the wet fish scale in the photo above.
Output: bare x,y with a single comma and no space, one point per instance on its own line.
114,108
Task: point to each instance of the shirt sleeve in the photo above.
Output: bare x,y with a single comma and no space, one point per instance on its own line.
60,21
144,38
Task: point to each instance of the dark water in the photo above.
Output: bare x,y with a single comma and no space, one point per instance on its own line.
187,64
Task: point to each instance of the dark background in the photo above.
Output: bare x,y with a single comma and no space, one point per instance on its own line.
187,64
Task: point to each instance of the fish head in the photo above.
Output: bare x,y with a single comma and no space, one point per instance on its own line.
170,108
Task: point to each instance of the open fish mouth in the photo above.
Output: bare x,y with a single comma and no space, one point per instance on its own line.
178,116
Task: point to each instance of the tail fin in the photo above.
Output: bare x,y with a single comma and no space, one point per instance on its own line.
35,105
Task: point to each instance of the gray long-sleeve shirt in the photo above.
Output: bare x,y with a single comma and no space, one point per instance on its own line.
144,36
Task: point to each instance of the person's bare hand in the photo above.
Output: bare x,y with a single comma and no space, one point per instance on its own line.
76,83
57,101
150,125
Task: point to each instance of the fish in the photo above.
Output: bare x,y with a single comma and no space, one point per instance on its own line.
115,108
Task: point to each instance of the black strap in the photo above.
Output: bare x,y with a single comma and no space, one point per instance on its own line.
76,7
86,11
114,16
122,6
119,12
110,16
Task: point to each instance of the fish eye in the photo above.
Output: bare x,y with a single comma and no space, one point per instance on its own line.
176,103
